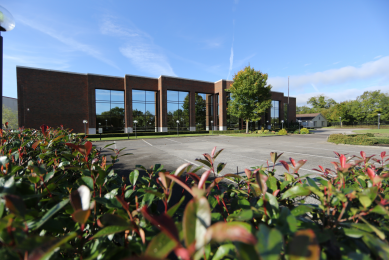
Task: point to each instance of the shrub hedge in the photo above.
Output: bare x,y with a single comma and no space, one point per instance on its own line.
60,198
142,134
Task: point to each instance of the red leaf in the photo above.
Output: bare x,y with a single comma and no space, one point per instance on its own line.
194,177
164,223
248,173
285,164
383,155
44,129
363,154
229,231
292,161
213,151
204,178
174,178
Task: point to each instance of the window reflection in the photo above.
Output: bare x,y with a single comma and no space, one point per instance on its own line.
178,109
144,110
110,110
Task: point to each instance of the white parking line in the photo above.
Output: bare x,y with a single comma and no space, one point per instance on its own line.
147,142
173,140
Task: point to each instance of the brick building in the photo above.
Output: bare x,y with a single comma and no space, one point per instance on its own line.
113,103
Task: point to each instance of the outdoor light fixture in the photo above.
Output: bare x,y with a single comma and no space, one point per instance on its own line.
85,122
177,126
379,120
7,23
105,123
135,122
282,122
299,126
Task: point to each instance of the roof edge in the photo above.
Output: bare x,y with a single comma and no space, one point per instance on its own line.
60,71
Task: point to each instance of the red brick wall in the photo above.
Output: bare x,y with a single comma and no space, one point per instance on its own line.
53,98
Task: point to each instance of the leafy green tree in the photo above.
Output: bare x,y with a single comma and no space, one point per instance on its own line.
116,111
321,102
11,117
304,110
369,102
250,95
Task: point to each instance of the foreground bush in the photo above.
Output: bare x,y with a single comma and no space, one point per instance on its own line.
60,198
304,131
360,139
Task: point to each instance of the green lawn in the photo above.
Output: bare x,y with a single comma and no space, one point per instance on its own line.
373,131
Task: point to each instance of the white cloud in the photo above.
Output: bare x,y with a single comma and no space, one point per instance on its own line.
376,57
307,64
339,96
38,61
66,39
315,87
336,62
139,47
335,76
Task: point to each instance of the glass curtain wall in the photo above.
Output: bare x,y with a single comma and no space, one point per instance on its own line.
286,119
110,110
201,111
275,113
144,110
178,109
232,121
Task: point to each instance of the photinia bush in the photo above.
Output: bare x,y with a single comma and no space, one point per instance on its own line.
61,198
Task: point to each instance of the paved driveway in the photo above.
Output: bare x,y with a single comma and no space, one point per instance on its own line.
239,153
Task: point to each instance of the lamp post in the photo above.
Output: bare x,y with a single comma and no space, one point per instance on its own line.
282,122
379,120
135,121
299,126
85,122
99,130
211,127
306,123
105,123
177,125
7,23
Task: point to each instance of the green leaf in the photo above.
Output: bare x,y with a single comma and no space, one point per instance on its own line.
110,230
287,223
245,251
196,220
88,181
174,208
241,215
272,183
354,232
128,193
284,184
33,179
101,178
50,213
312,183
227,250
296,191
365,200
160,246
270,242
378,232
301,210
49,175
134,177
112,194
220,167
377,246
205,162
272,205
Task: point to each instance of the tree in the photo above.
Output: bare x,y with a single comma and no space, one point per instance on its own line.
370,101
116,111
11,117
304,110
250,95
200,107
321,102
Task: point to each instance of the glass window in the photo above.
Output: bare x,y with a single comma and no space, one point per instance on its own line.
110,110
275,114
232,121
144,110
178,109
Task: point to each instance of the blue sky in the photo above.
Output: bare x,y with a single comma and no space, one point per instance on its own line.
336,48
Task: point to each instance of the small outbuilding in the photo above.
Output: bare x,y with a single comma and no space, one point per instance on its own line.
312,120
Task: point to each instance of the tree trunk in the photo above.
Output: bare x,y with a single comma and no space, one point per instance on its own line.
247,126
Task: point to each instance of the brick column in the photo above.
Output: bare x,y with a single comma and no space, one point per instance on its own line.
162,100
128,107
91,125
215,116
192,111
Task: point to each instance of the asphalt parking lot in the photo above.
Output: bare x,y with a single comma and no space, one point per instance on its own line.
239,152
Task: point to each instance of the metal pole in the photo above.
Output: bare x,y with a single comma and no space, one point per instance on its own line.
177,129
85,128
135,131
378,122
1,81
